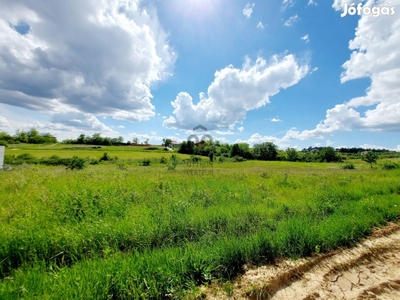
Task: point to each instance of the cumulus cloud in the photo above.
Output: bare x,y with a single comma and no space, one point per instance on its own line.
275,120
151,137
312,2
235,91
80,120
289,22
98,57
286,4
241,129
338,4
376,55
306,38
260,25
4,122
258,139
248,10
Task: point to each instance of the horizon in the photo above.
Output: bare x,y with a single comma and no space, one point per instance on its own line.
298,74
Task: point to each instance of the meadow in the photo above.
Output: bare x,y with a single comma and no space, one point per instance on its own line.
118,230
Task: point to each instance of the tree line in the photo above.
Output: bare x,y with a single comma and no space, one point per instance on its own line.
262,151
32,137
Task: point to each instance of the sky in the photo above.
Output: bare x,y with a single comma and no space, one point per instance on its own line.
297,73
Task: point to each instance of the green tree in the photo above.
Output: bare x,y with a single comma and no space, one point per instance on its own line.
370,157
328,154
291,154
265,151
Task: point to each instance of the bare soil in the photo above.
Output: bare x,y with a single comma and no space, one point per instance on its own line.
369,270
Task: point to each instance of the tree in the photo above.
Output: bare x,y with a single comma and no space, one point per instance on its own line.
135,140
167,142
291,154
328,154
370,157
265,151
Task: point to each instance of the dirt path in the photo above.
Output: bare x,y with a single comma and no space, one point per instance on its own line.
370,270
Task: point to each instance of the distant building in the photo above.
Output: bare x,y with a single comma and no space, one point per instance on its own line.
175,144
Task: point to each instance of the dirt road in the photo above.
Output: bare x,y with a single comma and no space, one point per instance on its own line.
370,270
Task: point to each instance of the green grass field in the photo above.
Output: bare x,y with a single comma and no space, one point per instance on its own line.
117,230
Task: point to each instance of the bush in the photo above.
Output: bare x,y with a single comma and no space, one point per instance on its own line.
145,162
55,161
348,166
195,159
389,165
238,158
105,157
3,143
76,163
173,162
163,160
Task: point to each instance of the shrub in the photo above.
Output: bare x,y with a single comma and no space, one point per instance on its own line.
163,160
173,162
238,158
389,165
3,143
145,162
76,163
105,157
55,161
348,166
195,159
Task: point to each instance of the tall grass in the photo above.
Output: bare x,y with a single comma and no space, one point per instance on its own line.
147,233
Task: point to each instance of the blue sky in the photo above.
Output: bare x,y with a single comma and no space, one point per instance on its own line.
292,72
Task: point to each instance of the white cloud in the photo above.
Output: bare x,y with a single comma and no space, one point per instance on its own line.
4,122
121,126
80,120
312,2
329,143
369,146
291,20
275,120
248,10
153,138
258,138
306,38
287,3
224,132
235,91
376,55
98,57
241,129
338,4
260,25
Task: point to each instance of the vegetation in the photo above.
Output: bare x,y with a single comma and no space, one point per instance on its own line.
265,151
96,139
115,230
32,136
371,157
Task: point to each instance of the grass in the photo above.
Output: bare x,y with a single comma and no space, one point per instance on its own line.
108,232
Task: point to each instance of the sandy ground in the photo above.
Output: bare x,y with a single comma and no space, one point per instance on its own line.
370,270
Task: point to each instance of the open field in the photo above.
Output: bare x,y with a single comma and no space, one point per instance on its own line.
117,230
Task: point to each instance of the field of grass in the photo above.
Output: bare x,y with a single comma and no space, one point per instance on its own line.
117,230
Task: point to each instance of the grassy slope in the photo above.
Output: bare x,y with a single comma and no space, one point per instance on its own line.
145,232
